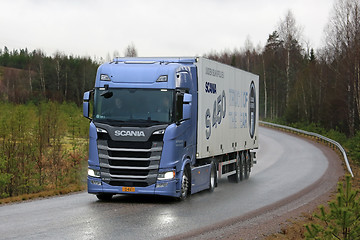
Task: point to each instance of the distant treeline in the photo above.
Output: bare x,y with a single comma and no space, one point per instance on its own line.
42,147
298,84
31,75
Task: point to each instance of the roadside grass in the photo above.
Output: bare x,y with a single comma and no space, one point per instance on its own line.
44,194
75,148
43,147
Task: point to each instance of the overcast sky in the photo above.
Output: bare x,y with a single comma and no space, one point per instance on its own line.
156,27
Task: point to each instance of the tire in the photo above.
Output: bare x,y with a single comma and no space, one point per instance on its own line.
104,196
247,166
185,185
239,168
212,180
239,171
243,166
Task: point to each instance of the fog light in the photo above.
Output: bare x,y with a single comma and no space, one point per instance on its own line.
95,182
159,185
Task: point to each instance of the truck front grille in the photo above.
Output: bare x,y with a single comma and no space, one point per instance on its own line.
130,164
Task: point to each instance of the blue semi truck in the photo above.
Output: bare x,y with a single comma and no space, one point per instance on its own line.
169,126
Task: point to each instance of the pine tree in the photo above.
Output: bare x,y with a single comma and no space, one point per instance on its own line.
343,220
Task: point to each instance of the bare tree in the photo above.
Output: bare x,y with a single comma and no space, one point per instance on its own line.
130,51
116,54
290,34
108,57
30,79
343,47
57,57
249,47
265,86
39,61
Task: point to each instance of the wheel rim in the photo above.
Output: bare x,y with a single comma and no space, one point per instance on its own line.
184,185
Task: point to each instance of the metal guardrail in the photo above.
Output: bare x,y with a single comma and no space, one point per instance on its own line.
334,143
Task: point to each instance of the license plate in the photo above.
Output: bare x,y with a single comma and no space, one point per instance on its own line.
128,189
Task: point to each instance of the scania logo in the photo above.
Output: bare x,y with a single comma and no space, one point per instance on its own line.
129,133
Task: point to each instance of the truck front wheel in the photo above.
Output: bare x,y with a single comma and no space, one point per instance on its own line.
185,185
104,196
212,182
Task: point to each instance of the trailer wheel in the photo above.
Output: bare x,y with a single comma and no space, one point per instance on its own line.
212,182
244,167
247,163
185,185
239,168
104,196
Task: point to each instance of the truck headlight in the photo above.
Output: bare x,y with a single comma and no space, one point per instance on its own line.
100,130
162,131
93,173
166,175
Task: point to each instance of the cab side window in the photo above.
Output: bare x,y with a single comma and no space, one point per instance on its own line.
179,106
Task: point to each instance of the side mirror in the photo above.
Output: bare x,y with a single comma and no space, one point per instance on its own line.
86,104
187,98
187,106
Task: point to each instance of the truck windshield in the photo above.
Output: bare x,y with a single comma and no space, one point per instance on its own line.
148,106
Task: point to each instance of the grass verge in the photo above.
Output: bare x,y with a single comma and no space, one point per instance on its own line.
43,194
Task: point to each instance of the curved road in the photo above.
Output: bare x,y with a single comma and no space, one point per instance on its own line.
286,166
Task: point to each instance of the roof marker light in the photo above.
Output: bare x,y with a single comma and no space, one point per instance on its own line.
104,77
162,78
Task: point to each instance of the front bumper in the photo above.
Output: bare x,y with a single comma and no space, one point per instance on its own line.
164,188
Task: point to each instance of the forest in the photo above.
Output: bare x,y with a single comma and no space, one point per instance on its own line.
43,136
33,76
300,84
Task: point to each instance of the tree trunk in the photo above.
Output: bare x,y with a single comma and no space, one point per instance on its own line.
265,89
30,81
287,78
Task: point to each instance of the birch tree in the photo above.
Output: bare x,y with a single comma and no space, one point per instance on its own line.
130,51
289,34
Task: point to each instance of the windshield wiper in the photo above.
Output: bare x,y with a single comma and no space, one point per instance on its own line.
109,120
130,122
147,121
107,94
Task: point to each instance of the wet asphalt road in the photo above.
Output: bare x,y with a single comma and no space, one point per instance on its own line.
286,165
